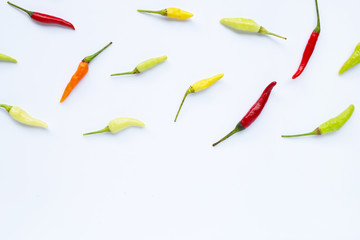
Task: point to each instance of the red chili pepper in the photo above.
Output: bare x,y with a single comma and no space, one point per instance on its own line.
252,114
44,18
310,45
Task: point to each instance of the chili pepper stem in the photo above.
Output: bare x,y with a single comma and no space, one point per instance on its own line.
23,9
237,129
315,132
126,73
88,59
106,129
264,31
7,107
317,29
190,90
161,12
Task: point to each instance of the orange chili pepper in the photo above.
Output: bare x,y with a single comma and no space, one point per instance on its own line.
80,73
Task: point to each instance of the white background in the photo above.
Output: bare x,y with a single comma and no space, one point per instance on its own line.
166,181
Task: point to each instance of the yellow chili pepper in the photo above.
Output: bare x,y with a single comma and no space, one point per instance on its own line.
143,66
119,124
23,117
171,12
6,58
198,86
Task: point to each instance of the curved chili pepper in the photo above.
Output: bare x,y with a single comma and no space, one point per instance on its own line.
330,126
143,66
310,45
171,12
6,58
199,86
352,61
80,73
248,25
23,117
252,114
44,18
119,124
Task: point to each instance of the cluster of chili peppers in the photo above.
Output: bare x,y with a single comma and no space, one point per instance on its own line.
242,24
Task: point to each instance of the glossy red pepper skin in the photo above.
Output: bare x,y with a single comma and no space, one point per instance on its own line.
310,46
252,114
257,108
44,18
307,53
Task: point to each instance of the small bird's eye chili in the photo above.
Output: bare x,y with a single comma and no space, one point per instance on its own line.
248,25
119,124
171,12
143,66
332,125
6,58
310,45
23,117
80,73
198,86
252,114
44,18
352,61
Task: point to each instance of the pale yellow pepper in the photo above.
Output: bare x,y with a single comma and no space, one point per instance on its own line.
198,86
245,24
171,12
23,117
119,124
143,66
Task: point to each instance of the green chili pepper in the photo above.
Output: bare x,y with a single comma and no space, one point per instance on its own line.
23,117
249,25
119,124
5,58
352,61
332,125
141,67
